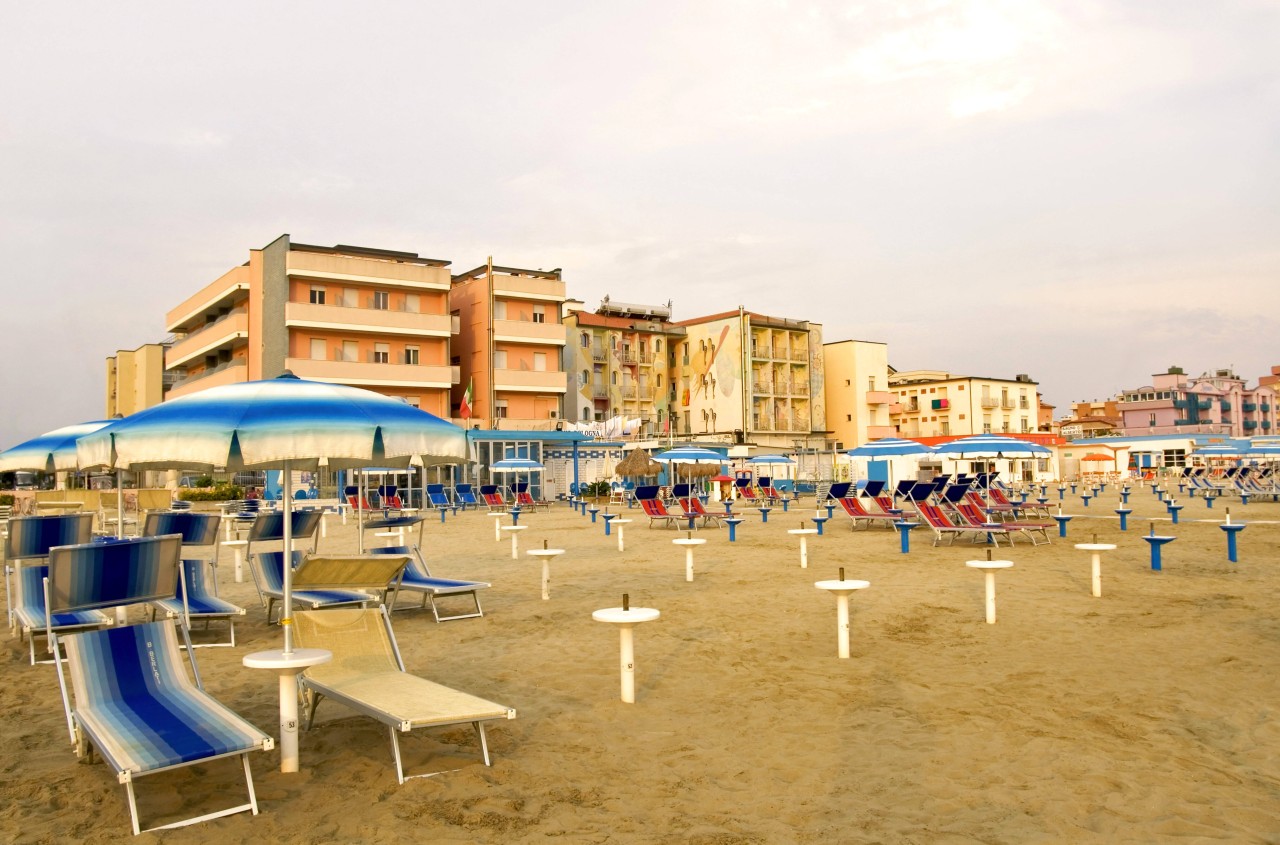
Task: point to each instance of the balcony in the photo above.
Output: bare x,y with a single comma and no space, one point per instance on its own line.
895,408
1185,422
761,351
800,388
1204,404
365,373
350,268
1007,404
221,333
598,353
231,372
599,391
1266,423
879,397
530,381
1265,407
1247,407
340,318
528,287
1249,425
1180,404
763,386
521,331
988,403
1225,405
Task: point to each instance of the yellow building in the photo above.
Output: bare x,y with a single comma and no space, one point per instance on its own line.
371,318
932,403
135,379
857,392
618,360
509,346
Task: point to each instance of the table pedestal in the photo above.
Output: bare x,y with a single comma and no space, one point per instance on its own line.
545,555
989,568
904,534
688,543
803,534
626,620
287,666
1095,553
841,590
238,547
621,524
515,539
1232,529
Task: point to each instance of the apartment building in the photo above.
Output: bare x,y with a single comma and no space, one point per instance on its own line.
617,359
932,403
751,376
135,379
857,392
1216,402
372,318
510,346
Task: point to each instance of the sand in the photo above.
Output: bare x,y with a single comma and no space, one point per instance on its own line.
1145,715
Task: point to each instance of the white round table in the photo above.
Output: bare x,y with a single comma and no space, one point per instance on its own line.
841,590
990,567
803,533
1095,553
545,555
688,543
626,620
515,535
238,547
287,667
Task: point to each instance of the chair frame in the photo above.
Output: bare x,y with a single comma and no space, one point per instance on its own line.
418,578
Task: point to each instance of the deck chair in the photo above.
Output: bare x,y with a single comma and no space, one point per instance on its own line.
27,544
368,675
647,496
492,497
418,578
312,588
437,498
1036,532
745,490
765,485
465,496
355,500
858,513
691,507
132,701
903,488
197,596
525,499
937,520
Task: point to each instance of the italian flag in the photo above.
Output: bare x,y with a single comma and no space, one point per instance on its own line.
464,410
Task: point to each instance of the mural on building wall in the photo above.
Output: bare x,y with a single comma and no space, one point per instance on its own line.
709,389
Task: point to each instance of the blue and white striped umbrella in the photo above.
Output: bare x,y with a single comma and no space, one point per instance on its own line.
284,422
53,451
890,447
993,446
770,459
689,455
516,465
262,424
1233,449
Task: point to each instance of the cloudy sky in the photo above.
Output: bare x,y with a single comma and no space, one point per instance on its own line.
1082,191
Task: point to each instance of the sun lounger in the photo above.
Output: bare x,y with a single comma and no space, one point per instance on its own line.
134,703
492,498
691,507
647,496
525,499
418,578
941,526
316,581
745,490
858,513
465,496
1036,532
436,497
197,596
27,544
368,675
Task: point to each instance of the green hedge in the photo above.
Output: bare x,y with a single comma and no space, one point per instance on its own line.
217,493
6,499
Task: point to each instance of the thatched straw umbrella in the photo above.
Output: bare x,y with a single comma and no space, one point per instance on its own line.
638,464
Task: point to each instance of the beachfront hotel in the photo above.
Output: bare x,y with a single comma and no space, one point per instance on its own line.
619,363
370,318
135,379
1217,402
931,403
857,392
508,348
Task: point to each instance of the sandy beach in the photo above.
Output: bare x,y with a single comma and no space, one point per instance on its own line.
1146,715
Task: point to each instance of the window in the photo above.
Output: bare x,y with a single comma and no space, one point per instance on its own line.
500,359
848,417
350,350
539,313
499,309
685,348
349,298
319,349
540,361
871,382
657,345
613,378
585,340
413,401
500,409
381,300
317,295
1151,419
412,303
381,353
411,355
586,413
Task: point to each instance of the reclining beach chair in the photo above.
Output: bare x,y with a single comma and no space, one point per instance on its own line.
134,704
389,497
437,498
1034,531
367,674
492,498
197,596
902,489
465,496
647,496
317,581
937,520
355,500
745,489
524,498
858,513
767,491
418,578
691,507
27,547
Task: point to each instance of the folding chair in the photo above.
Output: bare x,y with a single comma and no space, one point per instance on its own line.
134,703
647,496
314,581
27,544
418,578
368,675
465,496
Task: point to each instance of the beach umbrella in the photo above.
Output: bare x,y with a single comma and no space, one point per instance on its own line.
516,465
55,451
283,423
1223,450
637,464
691,455
770,459
998,446
891,447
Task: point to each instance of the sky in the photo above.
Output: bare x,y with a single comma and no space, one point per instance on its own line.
1086,192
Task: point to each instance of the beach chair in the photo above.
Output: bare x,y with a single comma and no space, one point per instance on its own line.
768,492
368,675
903,489
647,496
933,516
465,496
317,581
745,490
437,498
355,501
197,596
131,700
418,578
691,507
524,498
27,544
1036,532
492,498
858,513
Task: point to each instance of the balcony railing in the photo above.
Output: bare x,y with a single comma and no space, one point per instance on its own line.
761,352
1249,424
989,403
600,391
1247,407
1007,404
1264,407
1180,404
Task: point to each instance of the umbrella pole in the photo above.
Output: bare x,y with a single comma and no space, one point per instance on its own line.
286,620
119,506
